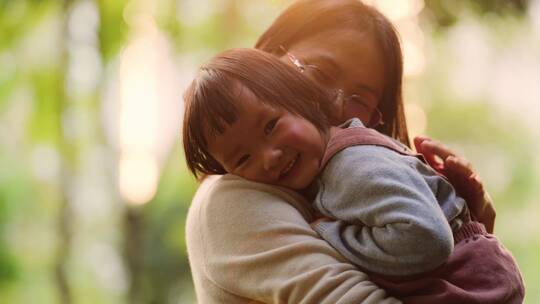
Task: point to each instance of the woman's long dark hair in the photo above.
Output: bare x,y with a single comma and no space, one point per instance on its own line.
307,18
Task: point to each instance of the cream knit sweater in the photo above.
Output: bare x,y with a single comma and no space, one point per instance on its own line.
252,242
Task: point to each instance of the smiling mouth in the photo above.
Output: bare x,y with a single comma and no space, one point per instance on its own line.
291,164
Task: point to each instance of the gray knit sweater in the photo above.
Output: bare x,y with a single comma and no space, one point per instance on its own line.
390,212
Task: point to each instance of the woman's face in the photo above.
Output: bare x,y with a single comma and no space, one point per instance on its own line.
348,60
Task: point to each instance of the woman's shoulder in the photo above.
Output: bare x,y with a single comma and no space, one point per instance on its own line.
231,187
238,197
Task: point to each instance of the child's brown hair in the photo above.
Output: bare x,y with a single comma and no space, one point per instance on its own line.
210,100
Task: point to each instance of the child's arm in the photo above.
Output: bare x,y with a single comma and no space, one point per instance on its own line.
389,222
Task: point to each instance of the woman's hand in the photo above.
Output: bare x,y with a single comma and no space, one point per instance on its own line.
462,176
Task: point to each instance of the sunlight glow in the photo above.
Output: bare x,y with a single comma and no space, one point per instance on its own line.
416,119
149,106
138,177
139,95
138,120
404,15
46,163
414,58
397,10
534,15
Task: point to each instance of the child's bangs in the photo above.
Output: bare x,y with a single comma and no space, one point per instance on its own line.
210,107
214,103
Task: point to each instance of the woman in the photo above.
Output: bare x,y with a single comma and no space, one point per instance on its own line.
253,242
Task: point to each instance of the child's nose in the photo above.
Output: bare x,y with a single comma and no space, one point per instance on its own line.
272,158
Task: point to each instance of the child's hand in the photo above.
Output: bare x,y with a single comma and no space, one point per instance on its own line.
462,176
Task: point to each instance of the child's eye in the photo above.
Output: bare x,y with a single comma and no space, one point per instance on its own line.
270,126
242,160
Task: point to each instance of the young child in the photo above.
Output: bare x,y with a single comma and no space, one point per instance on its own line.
249,114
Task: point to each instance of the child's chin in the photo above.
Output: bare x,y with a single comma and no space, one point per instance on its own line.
300,178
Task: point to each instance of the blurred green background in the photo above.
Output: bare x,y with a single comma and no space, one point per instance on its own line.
93,187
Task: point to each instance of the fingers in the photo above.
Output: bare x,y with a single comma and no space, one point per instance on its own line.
433,147
418,140
439,156
469,185
489,215
422,146
452,163
459,166
461,174
477,184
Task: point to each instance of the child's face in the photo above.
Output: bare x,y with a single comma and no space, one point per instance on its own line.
269,145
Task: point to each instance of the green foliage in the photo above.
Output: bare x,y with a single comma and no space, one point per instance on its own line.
113,28
165,263
8,264
45,124
15,196
19,17
446,13
478,125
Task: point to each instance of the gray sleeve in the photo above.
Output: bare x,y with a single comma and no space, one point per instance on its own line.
387,219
